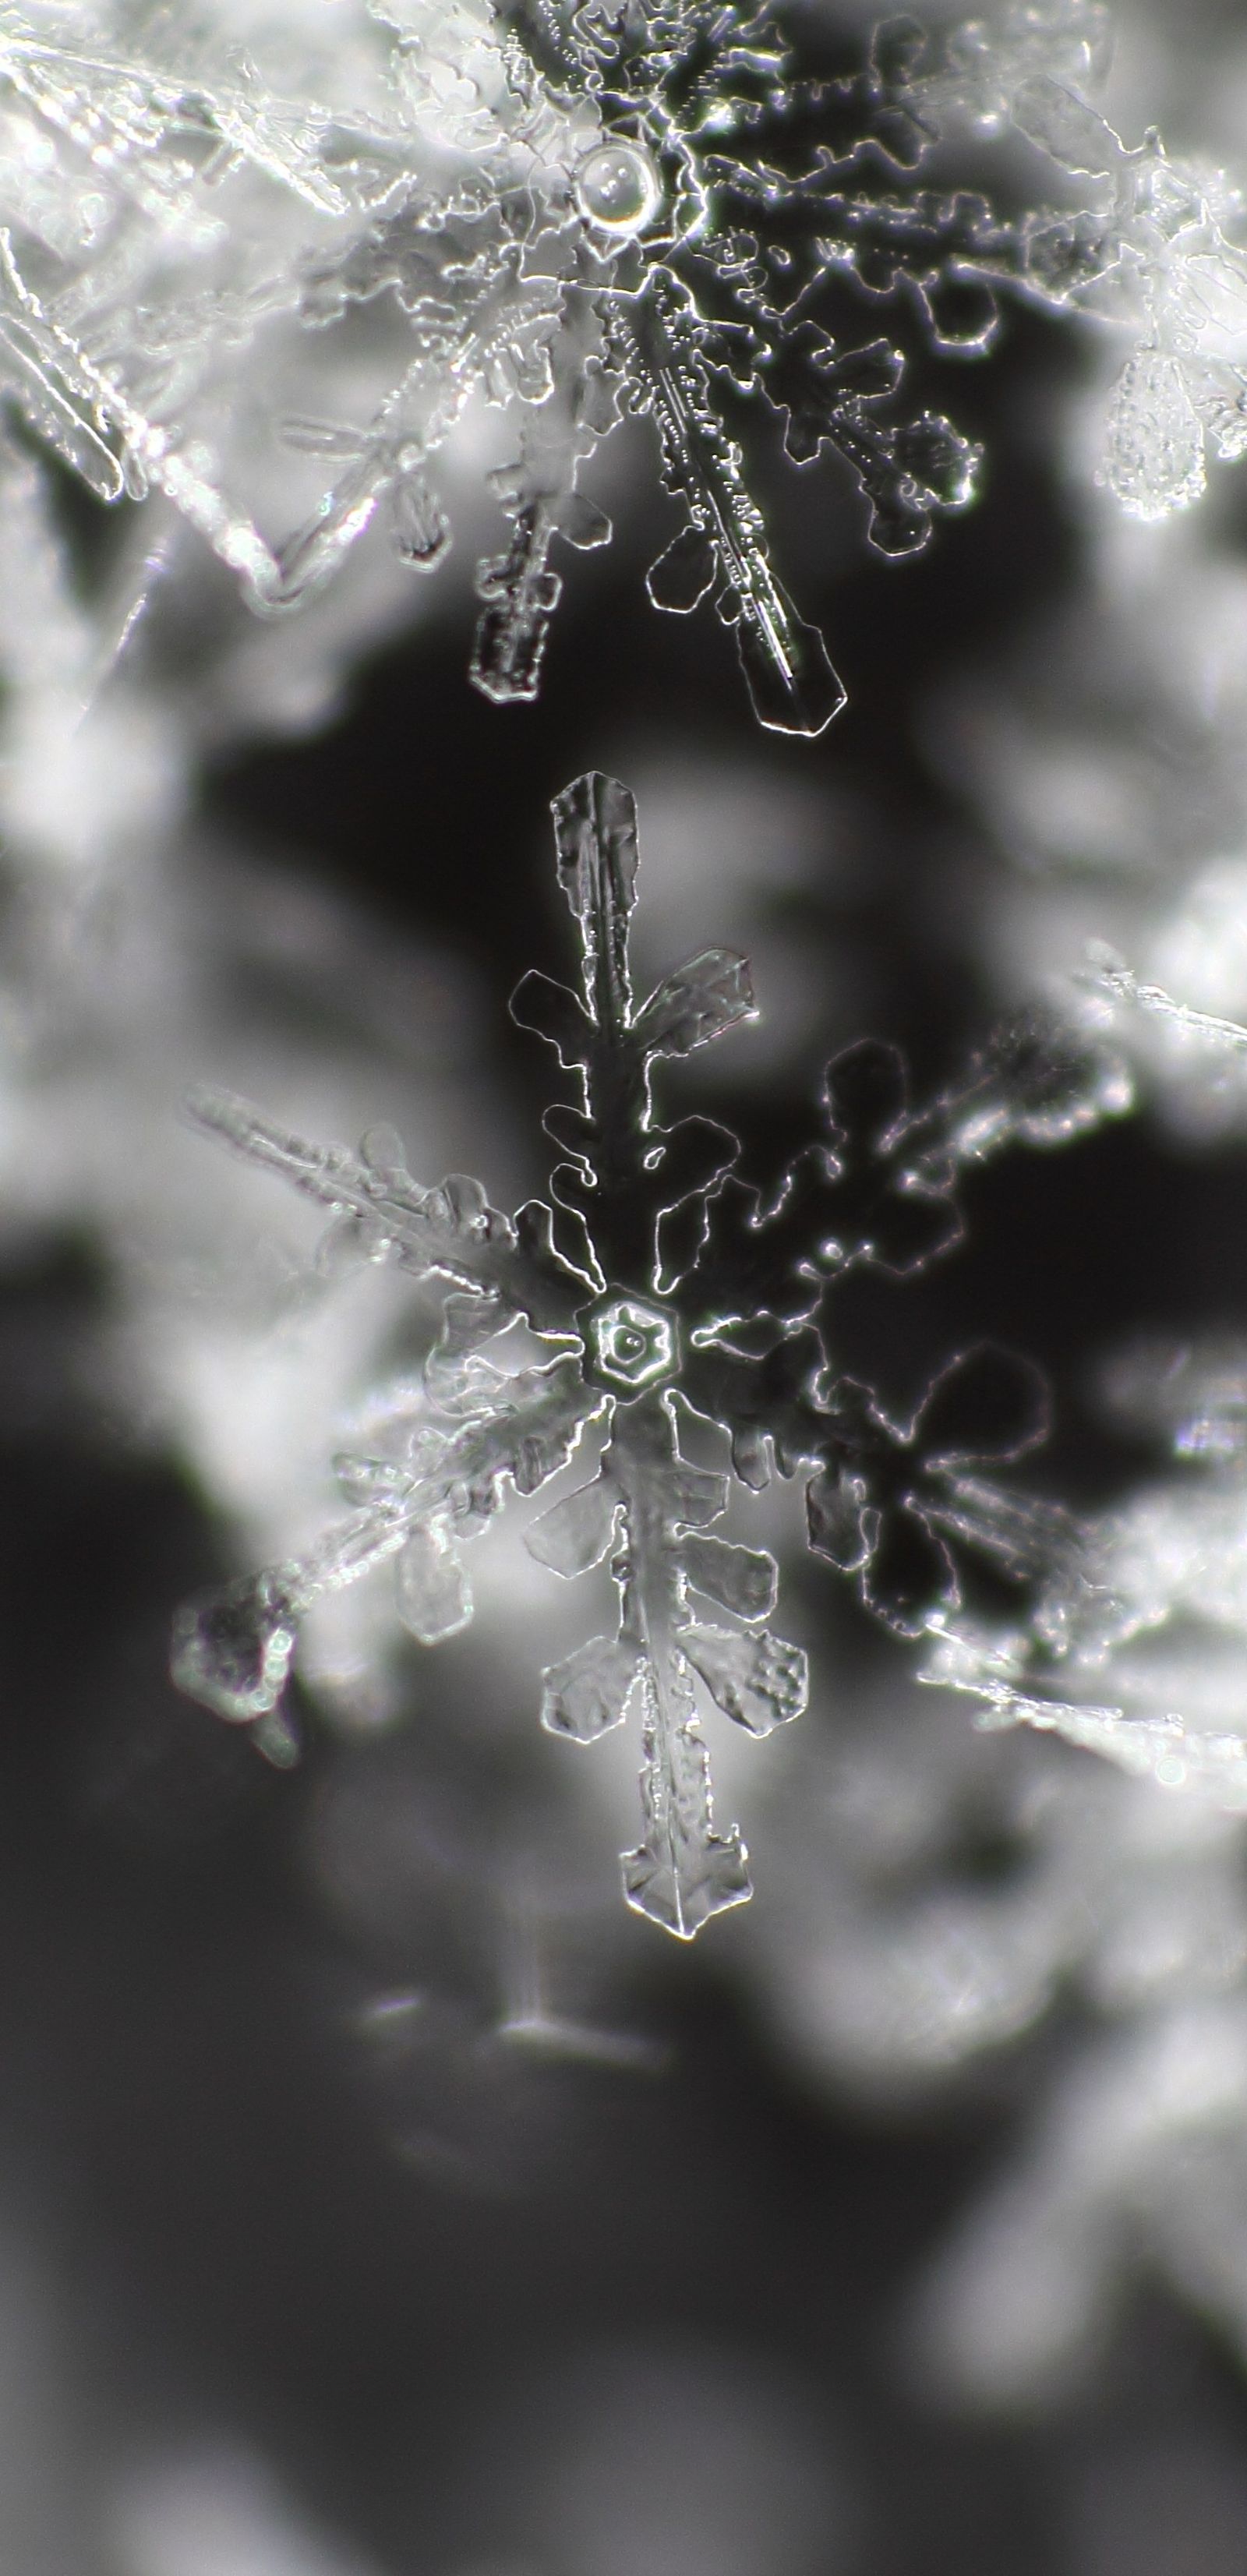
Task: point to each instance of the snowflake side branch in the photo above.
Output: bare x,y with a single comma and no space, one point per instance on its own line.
1113,976
232,1649
450,1231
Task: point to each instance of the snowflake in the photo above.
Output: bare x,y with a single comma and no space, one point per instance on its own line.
641,209
1154,255
657,1284
707,226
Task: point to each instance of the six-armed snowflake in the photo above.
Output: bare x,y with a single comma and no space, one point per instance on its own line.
577,212
658,1284
717,215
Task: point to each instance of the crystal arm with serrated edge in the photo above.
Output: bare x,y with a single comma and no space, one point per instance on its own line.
232,1649
627,1173
651,1508
450,1231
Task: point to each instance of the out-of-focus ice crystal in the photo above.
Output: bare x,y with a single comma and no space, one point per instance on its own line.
1131,1650
940,1902
144,949
1157,252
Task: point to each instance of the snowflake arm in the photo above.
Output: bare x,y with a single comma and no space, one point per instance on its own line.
721,551
233,1650
1013,1689
1206,1027
653,1507
519,590
449,1232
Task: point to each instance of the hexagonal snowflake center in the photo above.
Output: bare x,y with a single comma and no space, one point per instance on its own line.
630,1343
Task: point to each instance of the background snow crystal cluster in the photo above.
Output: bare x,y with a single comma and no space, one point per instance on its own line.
377,2192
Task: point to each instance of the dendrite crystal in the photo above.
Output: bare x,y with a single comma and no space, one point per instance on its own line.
580,213
719,218
656,1286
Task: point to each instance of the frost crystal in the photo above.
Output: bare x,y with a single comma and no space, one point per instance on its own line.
699,240
581,213
657,1284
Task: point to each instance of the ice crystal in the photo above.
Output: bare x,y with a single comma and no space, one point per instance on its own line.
1125,1653
1208,1028
724,199
1155,254
146,947
656,1279
581,213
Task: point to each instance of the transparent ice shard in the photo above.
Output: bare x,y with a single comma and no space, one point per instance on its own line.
758,1680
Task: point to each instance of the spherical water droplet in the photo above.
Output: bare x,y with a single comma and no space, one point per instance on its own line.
619,187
